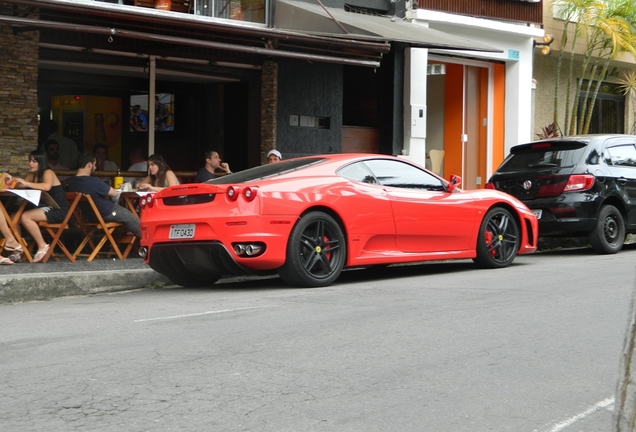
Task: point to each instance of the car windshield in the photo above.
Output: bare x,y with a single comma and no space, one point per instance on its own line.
266,171
543,155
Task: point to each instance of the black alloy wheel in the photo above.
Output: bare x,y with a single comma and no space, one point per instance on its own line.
498,240
316,252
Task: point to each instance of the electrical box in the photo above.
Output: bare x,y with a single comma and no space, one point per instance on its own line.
418,121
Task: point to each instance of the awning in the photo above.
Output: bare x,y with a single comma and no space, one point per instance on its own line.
311,18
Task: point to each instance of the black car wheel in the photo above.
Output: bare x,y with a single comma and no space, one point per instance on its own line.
316,252
608,235
498,239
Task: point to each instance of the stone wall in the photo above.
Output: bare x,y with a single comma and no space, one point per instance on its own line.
269,97
18,97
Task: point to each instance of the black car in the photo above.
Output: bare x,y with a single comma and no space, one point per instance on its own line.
577,186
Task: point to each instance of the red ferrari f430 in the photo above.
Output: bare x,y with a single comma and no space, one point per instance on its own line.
309,218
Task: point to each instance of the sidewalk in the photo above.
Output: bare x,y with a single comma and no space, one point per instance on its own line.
23,282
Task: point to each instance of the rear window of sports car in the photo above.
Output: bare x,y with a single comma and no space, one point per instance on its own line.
266,171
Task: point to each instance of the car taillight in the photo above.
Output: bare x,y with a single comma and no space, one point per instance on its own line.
490,185
249,193
579,182
146,201
232,193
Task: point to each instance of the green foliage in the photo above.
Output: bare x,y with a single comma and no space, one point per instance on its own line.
608,29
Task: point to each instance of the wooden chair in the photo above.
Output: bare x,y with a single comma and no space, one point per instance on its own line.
184,6
85,216
176,5
145,3
55,231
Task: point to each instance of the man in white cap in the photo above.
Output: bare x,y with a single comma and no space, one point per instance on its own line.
274,156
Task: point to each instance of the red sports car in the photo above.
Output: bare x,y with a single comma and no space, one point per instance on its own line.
308,218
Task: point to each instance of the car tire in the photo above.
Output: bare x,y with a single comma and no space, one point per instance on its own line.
316,252
608,235
498,239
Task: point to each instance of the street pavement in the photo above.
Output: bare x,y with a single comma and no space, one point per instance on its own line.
24,281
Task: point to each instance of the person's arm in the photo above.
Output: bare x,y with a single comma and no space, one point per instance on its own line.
225,167
112,193
45,185
145,184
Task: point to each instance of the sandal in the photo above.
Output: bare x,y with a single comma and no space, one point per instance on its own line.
18,248
39,255
6,261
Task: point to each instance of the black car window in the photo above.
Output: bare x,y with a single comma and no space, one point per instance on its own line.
358,172
543,155
403,175
623,155
266,171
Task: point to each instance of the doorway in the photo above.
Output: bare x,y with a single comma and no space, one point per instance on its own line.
463,125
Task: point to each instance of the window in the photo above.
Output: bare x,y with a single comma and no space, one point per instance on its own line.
609,110
624,155
403,175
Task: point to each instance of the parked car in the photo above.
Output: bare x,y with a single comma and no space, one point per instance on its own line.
308,218
577,186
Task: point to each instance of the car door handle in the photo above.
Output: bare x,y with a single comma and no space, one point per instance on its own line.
622,180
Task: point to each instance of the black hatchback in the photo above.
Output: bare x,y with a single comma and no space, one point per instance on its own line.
577,186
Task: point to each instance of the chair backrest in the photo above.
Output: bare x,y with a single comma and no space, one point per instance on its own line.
181,6
175,5
437,157
145,3
73,199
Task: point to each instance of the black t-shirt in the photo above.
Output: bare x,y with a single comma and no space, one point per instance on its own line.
203,175
96,188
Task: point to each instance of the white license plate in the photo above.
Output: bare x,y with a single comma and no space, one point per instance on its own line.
537,213
182,231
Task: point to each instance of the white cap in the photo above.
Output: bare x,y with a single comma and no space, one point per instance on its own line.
275,153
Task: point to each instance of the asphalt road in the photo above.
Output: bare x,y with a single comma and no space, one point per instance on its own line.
433,347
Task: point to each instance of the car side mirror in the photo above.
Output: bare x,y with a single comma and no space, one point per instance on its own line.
454,182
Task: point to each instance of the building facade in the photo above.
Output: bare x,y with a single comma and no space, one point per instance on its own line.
242,77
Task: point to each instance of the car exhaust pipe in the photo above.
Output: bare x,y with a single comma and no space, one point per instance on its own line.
253,249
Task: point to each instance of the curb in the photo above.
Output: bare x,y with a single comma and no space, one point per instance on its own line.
19,288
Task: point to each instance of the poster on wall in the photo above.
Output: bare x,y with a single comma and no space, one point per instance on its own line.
163,112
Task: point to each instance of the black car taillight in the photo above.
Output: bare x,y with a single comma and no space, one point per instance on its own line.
490,185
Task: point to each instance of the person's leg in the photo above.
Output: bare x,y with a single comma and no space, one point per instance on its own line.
10,242
30,221
125,216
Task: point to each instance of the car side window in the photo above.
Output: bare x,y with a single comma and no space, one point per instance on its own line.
358,172
403,175
622,155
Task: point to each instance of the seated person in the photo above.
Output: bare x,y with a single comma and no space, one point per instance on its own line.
137,163
160,175
212,163
274,156
101,193
100,151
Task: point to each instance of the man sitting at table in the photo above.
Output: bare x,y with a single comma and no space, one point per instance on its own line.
101,193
